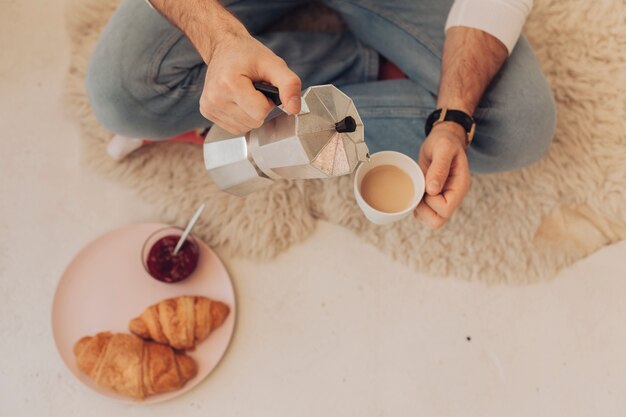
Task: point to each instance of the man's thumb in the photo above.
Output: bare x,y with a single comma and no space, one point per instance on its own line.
288,83
437,173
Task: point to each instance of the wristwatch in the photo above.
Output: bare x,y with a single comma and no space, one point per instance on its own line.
457,116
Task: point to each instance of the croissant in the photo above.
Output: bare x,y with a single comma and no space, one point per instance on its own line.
180,322
132,366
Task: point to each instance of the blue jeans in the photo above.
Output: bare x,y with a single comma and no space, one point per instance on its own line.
145,78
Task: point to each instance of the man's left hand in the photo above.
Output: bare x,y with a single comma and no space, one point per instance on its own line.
444,163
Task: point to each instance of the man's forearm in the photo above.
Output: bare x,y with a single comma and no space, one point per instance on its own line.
203,21
471,58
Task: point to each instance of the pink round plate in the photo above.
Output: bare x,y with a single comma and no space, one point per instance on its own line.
105,286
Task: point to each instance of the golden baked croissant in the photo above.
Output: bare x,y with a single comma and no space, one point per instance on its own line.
180,322
132,366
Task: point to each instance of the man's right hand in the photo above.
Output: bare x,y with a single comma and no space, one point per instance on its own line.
229,99
234,60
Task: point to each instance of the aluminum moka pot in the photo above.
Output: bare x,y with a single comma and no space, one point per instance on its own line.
326,139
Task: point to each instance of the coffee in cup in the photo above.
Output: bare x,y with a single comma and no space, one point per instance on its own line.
388,187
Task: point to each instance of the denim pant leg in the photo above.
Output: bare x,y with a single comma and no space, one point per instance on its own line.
145,78
515,119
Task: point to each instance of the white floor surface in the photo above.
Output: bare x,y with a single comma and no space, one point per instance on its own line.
353,335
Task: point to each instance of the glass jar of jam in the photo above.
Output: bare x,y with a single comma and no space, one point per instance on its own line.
158,256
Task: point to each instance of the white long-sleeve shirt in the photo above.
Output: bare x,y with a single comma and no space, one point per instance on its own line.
503,19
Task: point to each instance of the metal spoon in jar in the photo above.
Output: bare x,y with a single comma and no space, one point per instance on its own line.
190,225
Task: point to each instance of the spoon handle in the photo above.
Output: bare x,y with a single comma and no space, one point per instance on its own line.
190,225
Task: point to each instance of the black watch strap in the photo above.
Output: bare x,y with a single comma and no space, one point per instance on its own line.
456,116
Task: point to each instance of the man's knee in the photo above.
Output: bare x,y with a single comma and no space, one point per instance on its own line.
112,91
124,82
540,127
105,93
524,136
520,122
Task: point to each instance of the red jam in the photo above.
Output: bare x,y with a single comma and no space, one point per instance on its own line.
167,267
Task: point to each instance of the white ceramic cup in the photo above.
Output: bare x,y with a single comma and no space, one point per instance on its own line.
398,160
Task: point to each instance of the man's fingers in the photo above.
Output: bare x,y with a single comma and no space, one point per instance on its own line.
439,168
442,206
251,101
289,85
226,122
226,113
454,191
236,114
233,129
426,214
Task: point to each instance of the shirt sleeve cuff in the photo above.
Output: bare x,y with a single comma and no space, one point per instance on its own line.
500,18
